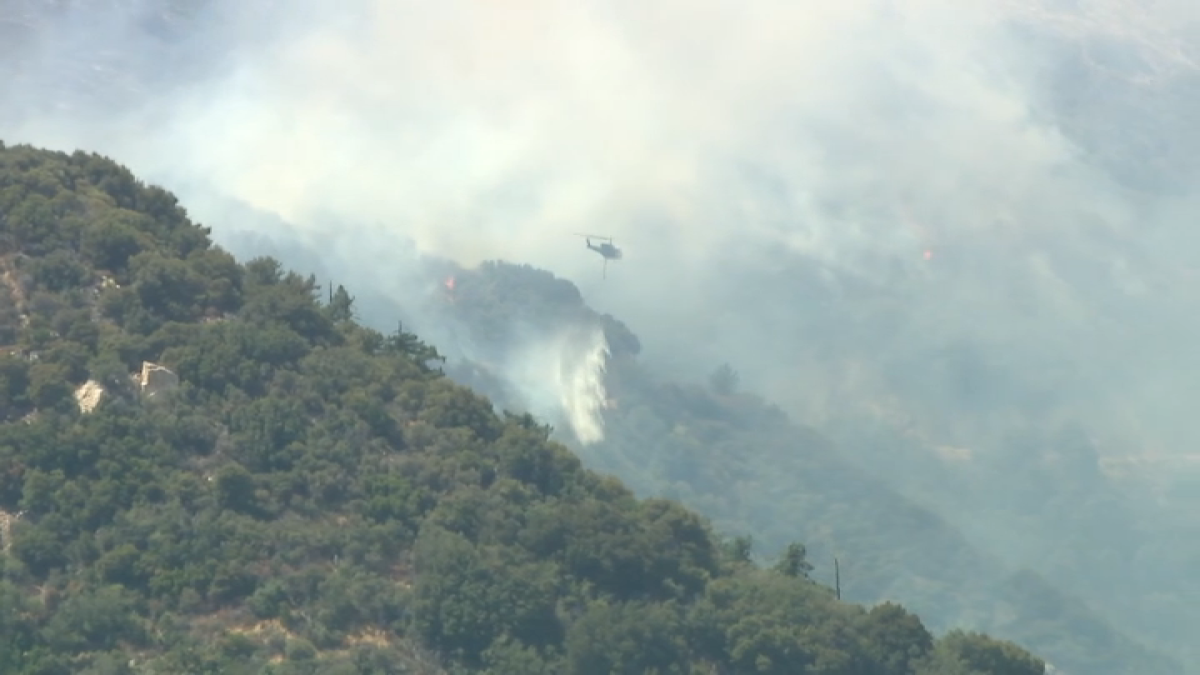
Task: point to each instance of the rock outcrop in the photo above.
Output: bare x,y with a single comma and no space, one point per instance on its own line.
89,395
156,380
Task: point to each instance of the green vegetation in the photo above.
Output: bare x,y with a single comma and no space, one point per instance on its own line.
309,495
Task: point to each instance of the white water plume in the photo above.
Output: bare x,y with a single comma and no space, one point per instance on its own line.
581,383
562,376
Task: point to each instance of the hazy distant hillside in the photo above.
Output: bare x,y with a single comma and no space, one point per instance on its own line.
1120,77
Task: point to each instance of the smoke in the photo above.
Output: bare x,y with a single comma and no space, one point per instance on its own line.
844,131
482,129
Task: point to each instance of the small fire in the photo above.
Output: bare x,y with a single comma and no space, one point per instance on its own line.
450,283
928,254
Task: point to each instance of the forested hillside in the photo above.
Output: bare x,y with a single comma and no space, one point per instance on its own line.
210,467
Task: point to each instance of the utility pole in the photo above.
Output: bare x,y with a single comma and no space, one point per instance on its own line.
837,578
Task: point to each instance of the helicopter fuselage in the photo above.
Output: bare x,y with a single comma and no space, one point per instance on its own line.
607,250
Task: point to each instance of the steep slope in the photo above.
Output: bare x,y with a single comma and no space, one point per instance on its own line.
284,488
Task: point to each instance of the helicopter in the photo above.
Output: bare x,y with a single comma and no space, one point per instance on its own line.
607,250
